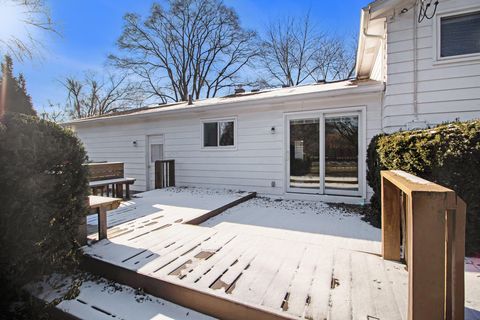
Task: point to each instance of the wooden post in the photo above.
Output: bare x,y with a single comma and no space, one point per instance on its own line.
435,243
391,214
102,222
127,191
171,171
119,189
455,267
426,256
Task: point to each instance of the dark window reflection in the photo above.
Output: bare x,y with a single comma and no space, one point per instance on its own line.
210,131
304,154
341,153
226,133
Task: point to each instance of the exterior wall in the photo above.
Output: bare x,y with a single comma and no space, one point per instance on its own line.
257,160
446,91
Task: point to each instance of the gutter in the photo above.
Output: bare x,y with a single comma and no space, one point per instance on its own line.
364,24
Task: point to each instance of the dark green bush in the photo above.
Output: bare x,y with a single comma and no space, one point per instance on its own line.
448,155
43,187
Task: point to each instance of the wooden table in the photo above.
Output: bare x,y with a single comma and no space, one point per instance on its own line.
101,205
116,186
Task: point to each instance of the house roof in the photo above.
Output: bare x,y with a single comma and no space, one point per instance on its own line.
283,94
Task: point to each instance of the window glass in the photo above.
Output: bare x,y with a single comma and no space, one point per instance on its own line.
210,134
156,152
226,132
460,34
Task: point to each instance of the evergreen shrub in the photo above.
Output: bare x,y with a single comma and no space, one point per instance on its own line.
448,154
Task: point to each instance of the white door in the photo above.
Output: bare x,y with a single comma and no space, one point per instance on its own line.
154,153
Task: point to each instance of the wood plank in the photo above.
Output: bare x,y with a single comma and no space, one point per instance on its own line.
166,255
223,264
397,276
302,281
258,277
199,270
382,291
196,255
362,295
319,291
340,293
275,294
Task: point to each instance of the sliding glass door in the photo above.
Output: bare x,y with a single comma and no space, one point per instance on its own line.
304,154
341,154
323,153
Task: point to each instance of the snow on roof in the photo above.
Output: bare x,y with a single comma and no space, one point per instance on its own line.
333,89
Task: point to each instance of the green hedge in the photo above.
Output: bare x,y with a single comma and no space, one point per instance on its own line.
448,155
43,189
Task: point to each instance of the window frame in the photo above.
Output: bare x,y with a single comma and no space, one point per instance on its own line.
438,59
218,146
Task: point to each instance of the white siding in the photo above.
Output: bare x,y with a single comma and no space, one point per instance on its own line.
445,91
257,161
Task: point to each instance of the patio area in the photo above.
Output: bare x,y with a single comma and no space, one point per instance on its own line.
263,258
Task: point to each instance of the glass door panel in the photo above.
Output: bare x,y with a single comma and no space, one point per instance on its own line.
341,154
304,154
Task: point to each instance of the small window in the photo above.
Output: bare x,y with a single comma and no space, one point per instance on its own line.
219,133
460,34
156,152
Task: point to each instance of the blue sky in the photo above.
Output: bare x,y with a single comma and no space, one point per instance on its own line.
89,29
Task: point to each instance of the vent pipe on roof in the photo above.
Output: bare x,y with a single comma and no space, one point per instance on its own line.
239,90
190,101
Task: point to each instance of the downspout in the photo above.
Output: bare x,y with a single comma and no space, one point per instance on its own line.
382,38
415,67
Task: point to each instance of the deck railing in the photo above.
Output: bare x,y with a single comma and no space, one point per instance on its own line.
164,174
423,224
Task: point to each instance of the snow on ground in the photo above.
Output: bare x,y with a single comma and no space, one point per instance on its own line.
472,288
304,216
195,201
101,300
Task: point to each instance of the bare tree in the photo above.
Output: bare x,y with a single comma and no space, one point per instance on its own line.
294,52
94,95
289,47
194,47
21,23
335,59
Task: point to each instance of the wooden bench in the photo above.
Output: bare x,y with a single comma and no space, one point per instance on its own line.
106,176
115,185
101,205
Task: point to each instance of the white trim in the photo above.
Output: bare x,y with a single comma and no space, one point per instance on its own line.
464,58
219,147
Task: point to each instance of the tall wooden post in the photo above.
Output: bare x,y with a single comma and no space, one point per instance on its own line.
391,210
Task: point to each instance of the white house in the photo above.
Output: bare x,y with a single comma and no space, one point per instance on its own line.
309,142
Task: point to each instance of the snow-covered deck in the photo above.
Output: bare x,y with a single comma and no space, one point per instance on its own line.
263,258
152,209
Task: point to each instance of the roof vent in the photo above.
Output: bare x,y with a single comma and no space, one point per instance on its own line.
321,81
285,86
239,90
255,90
